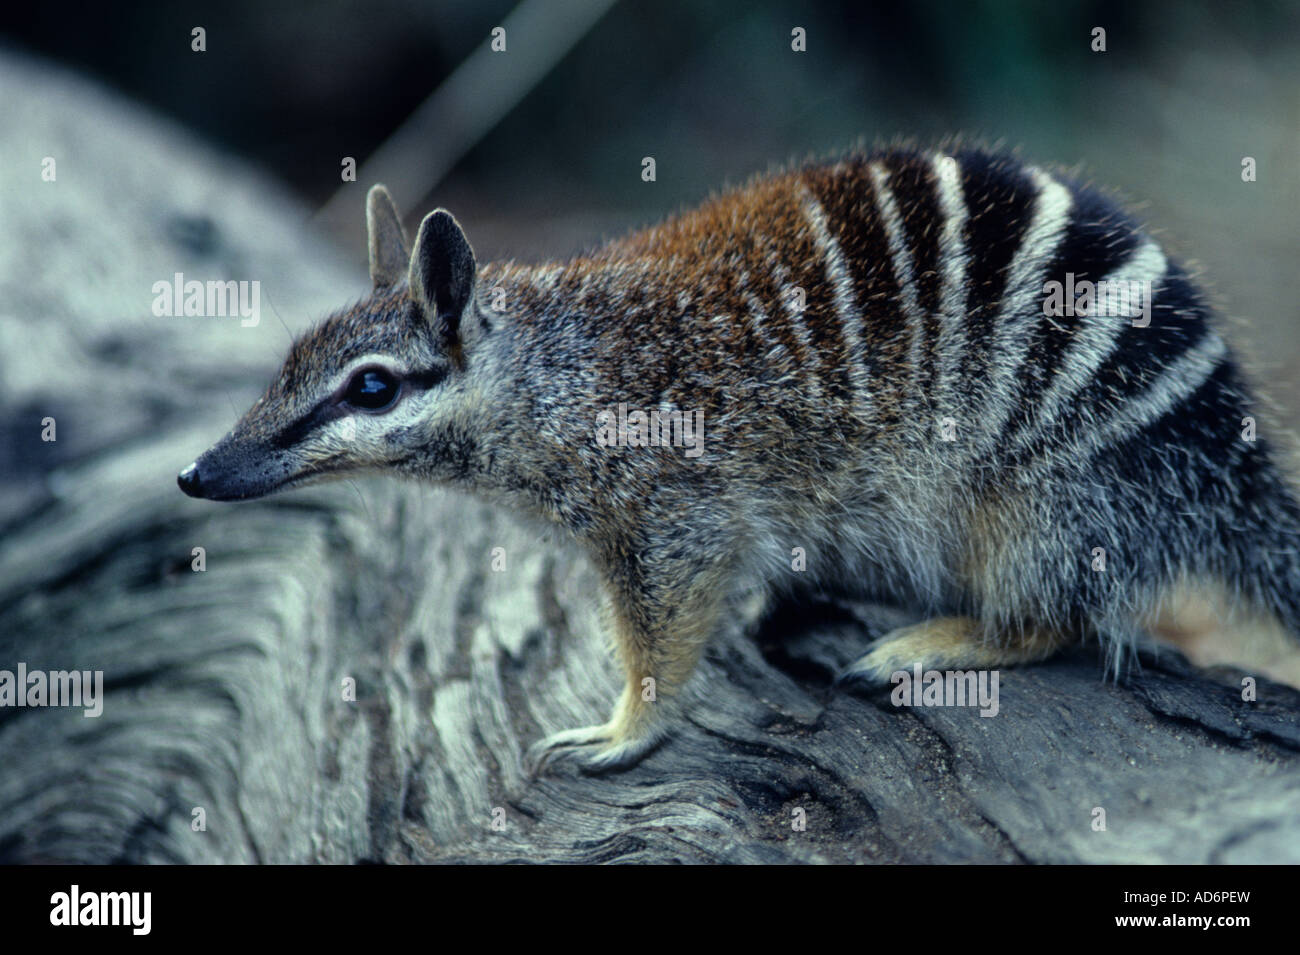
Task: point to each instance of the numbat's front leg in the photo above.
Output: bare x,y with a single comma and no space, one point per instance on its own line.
632,731
660,637
949,643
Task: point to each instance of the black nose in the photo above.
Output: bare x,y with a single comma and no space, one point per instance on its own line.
188,481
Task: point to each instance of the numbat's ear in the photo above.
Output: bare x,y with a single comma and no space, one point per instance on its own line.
389,251
442,273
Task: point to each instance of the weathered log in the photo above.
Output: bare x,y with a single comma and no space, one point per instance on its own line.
224,687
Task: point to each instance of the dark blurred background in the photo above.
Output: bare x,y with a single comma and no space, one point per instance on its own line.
543,160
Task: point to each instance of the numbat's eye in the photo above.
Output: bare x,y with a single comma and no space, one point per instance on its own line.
372,389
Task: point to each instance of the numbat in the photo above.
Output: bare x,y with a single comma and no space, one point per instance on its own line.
959,383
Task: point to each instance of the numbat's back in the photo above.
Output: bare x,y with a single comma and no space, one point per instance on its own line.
955,382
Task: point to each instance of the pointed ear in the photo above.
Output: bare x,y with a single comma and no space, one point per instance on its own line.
389,251
442,272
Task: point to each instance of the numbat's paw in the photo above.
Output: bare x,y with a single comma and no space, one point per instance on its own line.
945,643
593,749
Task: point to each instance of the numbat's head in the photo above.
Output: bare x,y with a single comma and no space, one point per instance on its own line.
372,388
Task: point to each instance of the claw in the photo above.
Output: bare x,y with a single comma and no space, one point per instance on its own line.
565,743
594,749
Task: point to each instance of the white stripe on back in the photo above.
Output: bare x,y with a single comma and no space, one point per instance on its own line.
1175,384
904,274
1021,307
847,313
953,260
1093,342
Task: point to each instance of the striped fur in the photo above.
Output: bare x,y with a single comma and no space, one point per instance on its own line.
882,390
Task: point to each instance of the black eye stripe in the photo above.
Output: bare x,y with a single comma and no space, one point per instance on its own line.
303,426
426,378
331,408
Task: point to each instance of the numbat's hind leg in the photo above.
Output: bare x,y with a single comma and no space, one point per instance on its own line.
949,643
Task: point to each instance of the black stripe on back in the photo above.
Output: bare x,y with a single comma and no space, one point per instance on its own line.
911,180
1000,205
809,269
1186,453
848,197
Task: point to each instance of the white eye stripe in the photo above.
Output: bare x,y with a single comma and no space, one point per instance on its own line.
358,425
